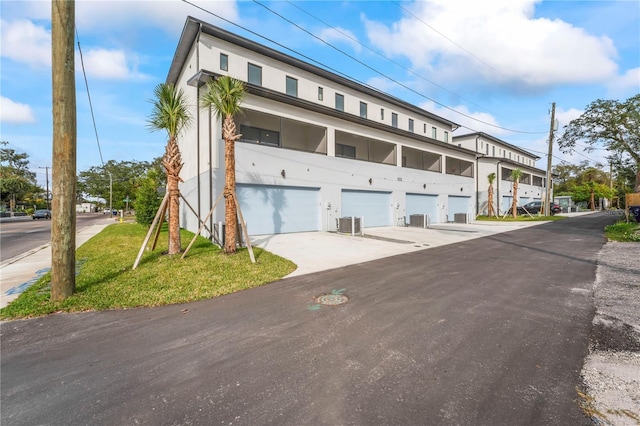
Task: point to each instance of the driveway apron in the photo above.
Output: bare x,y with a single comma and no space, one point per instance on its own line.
491,331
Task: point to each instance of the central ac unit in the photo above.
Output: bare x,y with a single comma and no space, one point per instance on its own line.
349,225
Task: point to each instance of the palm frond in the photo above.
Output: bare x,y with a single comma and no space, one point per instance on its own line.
170,110
224,95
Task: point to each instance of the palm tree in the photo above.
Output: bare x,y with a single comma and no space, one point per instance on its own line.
171,113
515,176
491,177
224,95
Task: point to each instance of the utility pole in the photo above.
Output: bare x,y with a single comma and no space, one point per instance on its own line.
63,215
547,197
47,178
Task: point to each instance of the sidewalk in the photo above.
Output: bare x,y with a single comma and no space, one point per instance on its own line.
18,273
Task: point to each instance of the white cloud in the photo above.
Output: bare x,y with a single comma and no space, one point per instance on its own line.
167,15
626,85
469,120
503,43
341,35
25,42
14,112
564,117
109,65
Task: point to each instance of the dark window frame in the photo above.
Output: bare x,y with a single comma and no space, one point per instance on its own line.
224,62
255,68
291,83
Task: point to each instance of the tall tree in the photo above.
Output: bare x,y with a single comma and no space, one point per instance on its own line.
147,199
515,176
609,124
171,114
224,95
123,176
63,216
16,181
491,178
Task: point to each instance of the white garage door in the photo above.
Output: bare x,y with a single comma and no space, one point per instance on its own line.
270,209
374,206
423,204
457,205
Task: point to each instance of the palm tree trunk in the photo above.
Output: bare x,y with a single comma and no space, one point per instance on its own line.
490,211
514,202
231,214
173,164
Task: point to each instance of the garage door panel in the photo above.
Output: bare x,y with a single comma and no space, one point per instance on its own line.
423,204
458,205
270,209
374,206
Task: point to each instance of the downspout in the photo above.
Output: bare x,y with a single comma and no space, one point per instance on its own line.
198,122
211,178
498,178
477,181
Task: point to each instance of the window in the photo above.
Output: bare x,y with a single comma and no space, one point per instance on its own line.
381,113
339,102
425,129
394,119
493,151
363,110
224,62
292,86
434,133
320,93
261,136
255,74
411,124
345,151
446,137
488,149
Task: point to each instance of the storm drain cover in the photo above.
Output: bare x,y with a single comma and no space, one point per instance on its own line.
332,299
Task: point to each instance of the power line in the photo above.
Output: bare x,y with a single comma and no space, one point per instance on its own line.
451,41
89,96
409,70
386,76
339,72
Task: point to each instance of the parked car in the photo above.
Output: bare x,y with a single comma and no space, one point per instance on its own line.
41,214
534,208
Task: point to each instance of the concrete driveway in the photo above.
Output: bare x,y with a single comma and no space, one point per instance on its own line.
490,331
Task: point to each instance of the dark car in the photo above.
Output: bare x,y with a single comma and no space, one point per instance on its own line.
41,214
535,206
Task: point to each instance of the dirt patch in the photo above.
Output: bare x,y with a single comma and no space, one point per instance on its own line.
611,334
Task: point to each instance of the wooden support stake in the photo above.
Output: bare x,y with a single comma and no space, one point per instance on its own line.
159,227
153,224
201,226
244,228
194,212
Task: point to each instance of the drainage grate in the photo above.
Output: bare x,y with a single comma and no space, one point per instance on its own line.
332,299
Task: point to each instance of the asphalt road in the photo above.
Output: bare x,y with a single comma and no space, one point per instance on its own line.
491,331
20,236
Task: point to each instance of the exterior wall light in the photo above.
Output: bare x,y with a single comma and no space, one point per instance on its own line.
283,174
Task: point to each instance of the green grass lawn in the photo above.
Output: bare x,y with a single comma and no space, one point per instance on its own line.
105,279
623,231
520,218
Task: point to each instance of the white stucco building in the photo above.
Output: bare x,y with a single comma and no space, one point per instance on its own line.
499,157
316,146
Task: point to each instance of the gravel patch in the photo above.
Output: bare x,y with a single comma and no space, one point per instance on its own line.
611,373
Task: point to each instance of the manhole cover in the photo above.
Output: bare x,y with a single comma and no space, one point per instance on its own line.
332,299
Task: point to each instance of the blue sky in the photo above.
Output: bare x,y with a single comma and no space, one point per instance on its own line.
487,65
